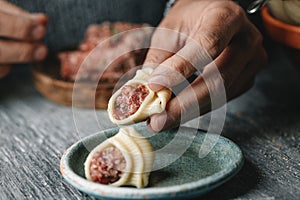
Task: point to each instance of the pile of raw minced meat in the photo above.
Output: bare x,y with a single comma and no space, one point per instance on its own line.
105,55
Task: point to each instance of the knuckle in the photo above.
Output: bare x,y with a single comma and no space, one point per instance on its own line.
179,65
24,31
184,67
213,43
27,53
215,82
156,37
152,58
21,28
229,10
255,37
232,9
172,65
237,10
252,39
20,31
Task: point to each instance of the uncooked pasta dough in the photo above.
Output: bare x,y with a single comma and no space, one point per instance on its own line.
124,159
135,101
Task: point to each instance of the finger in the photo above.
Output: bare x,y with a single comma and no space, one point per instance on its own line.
180,66
155,57
174,116
193,58
23,28
219,26
247,57
183,107
210,85
4,70
165,42
193,101
11,8
15,10
230,62
40,18
246,78
211,39
19,52
207,88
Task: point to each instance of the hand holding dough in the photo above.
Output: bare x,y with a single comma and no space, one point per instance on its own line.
135,101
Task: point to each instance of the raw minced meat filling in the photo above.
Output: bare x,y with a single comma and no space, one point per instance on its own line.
111,51
129,100
107,166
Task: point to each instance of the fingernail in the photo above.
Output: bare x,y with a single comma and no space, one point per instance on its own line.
158,82
38,32
40,53
40,18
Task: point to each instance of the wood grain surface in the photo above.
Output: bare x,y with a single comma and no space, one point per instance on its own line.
265,123
80,95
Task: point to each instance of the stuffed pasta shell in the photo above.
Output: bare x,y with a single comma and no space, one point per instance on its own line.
135,101
124,159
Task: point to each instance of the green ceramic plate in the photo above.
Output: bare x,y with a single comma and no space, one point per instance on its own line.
179,171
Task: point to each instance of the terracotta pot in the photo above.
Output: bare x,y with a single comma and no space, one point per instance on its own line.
280,31
286,11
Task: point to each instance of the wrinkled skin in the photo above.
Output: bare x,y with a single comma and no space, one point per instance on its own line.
232,41
20,32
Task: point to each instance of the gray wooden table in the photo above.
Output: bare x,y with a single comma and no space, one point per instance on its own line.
265,123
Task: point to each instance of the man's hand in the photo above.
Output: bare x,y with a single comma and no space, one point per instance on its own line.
230,39
20,32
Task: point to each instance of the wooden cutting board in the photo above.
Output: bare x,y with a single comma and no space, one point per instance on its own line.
47,80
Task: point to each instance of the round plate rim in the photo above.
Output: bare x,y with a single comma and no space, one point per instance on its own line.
110,192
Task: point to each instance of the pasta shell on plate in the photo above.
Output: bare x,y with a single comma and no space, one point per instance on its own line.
135,101
124,159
